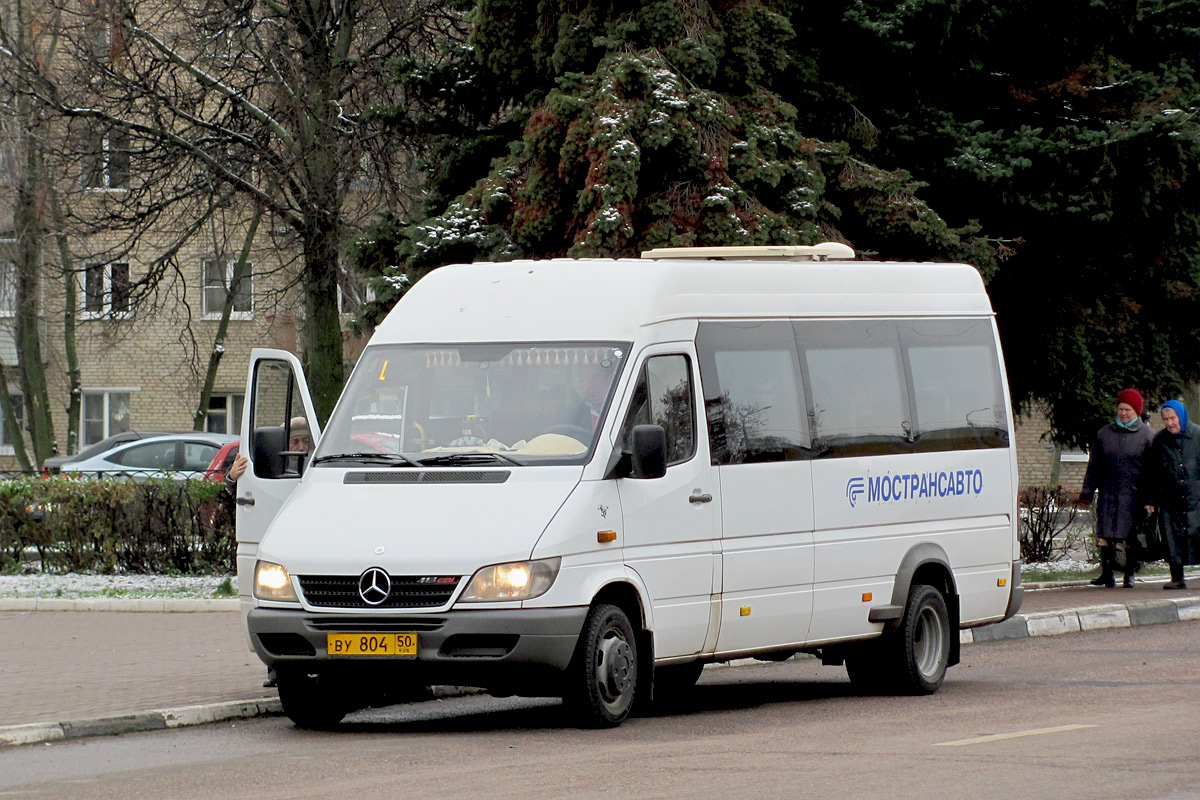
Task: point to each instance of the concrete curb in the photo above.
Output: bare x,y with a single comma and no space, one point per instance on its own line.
1090,618
1021,626
144,721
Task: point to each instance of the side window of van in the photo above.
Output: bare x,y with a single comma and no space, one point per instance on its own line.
855,373
752,398
663,396
958,396
902,386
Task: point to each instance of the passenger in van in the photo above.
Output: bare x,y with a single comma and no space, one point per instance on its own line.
1115,470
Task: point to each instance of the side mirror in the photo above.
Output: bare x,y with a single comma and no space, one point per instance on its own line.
648,451
268,446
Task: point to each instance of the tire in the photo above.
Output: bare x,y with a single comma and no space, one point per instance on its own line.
911,659
602,679
311,700
923,646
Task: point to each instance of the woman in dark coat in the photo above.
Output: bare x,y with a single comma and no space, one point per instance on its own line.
1115,471
1174,488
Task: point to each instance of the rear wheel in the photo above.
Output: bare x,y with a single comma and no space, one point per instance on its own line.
911,659
310,699
924,646
603,676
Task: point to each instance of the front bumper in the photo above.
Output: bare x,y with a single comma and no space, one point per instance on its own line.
467,648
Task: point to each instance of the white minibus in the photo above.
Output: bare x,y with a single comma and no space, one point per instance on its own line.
589,478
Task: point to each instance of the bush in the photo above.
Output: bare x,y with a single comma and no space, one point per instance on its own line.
1047,516
153,526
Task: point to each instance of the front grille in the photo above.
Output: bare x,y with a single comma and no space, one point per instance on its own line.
408,591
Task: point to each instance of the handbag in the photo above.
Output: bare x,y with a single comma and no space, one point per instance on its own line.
1151,539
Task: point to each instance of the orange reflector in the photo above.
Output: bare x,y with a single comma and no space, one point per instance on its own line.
867,597
1002,581
606,536
745,611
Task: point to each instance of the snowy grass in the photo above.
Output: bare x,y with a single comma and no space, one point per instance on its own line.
74,587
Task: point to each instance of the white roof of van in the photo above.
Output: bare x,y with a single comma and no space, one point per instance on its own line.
610,299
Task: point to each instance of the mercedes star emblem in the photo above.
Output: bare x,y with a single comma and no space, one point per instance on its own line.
374,586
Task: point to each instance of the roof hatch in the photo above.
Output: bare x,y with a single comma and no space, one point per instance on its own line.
825,251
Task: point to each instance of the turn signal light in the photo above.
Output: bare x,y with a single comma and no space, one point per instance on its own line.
603,537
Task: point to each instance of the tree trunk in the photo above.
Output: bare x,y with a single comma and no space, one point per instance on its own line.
323,361
29,228
218,348
71,299
11,423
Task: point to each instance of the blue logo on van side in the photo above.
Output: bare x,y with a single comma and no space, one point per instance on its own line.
914,486
854,489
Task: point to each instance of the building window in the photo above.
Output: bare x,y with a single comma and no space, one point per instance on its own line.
218,280
105,412
8,289
224,413
106,161
353,291
6,435
106,289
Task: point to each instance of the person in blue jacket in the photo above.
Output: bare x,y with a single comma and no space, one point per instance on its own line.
1174,484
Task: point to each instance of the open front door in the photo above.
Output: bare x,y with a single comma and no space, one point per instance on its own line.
279,429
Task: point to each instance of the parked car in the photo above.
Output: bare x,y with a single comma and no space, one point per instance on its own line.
179,455
55,464
221,462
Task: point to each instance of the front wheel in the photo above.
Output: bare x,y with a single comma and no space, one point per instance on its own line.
603,675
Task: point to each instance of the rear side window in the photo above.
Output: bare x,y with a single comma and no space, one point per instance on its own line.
752,397
958,395
663,396
902,386
157,455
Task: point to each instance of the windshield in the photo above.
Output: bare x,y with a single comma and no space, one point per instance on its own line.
511,404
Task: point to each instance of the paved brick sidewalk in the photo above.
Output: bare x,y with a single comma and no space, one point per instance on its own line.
64,665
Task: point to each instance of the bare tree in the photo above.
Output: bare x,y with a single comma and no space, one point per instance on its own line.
268,99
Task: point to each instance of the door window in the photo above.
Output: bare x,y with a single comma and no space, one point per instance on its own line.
663,396
278,422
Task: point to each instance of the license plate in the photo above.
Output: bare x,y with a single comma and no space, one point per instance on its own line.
371,644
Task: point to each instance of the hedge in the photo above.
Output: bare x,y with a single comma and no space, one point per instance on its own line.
154,526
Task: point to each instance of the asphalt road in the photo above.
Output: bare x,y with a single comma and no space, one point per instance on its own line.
1104,714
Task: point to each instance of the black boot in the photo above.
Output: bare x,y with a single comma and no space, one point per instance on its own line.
1106,568
1176,578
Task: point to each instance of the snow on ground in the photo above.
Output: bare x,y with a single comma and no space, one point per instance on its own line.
73,586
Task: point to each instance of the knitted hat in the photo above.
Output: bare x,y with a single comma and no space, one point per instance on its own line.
1133,398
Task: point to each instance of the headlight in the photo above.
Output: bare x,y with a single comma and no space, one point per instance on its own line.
272,582
520,580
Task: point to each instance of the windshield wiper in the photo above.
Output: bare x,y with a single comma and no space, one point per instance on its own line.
394,459
470,458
